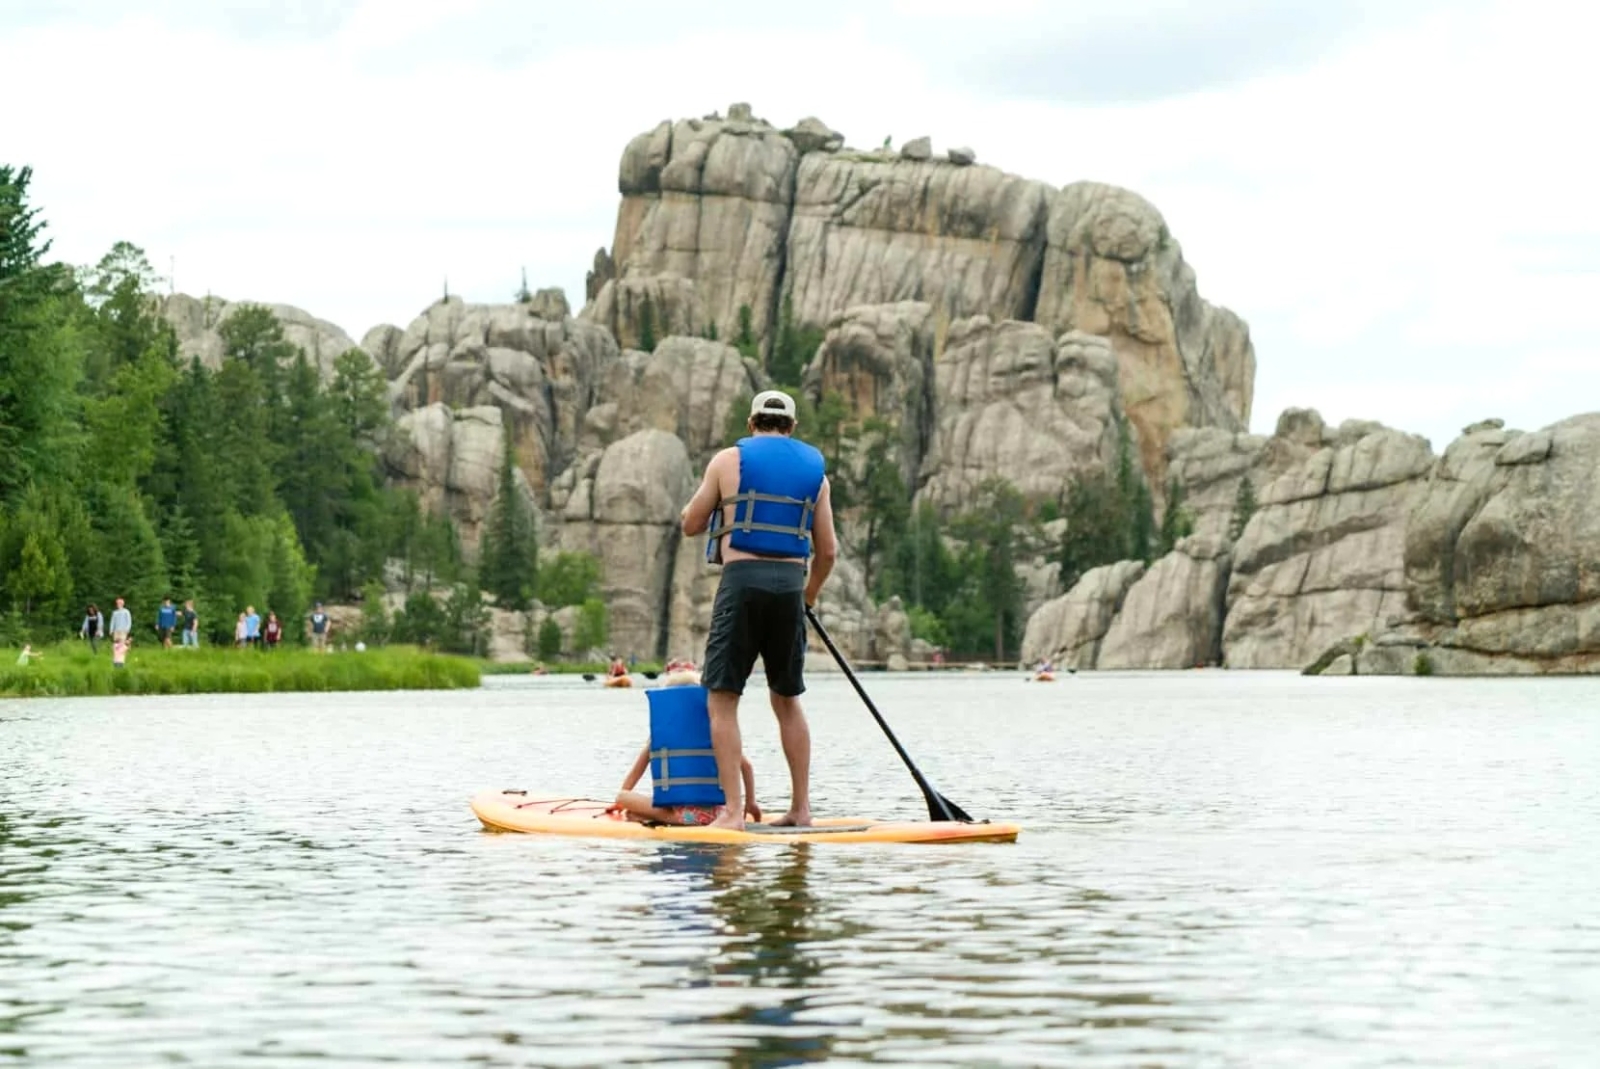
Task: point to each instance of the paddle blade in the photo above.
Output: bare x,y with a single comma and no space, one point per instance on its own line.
942,808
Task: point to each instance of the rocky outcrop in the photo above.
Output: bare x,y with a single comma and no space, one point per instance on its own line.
1209,463
1112,268
541,374
1069,630
1500,558
1322,559
865,230
879,359
1171,617
196,320
1017,404
451,458
669,304
622,506
707,200
724,214
689,387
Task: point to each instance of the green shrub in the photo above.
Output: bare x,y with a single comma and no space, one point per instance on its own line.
1422,664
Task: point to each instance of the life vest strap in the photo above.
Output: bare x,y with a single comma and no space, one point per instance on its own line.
802,530
666,780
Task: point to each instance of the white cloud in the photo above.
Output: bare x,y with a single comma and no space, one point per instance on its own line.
1403,219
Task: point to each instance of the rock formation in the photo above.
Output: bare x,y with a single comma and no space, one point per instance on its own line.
1323,557
723,214
1172,614
995,326
196,319
1070,629
1112,268
1501,557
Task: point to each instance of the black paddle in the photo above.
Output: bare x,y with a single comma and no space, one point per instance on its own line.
939,807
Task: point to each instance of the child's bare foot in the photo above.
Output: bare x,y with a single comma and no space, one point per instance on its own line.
794,818
727,819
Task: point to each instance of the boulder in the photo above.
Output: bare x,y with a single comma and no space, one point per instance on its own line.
195,321
1112,268
1171,617
541,374
966,240
918,148
1322,559
709,201
671,303
1069,629
689,387
452,459
627,516
1016,403
813,135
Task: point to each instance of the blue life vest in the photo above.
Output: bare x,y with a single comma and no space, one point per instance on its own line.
683,768
779,480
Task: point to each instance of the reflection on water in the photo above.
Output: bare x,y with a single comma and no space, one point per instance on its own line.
767,929
1215,869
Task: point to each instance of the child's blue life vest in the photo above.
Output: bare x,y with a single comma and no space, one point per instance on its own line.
780,479
683,768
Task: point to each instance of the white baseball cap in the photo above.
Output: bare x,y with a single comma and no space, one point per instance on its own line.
772,403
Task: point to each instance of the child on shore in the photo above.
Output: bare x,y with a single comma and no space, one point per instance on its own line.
120,641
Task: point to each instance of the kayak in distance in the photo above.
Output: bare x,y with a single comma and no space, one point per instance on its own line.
533,812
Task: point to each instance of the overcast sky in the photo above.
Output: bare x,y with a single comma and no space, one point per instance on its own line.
1399,197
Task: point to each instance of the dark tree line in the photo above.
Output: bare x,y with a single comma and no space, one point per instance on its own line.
128,470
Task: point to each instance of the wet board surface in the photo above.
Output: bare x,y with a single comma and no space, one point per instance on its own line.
542,813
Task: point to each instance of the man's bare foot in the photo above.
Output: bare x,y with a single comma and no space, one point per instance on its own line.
727,819
794,818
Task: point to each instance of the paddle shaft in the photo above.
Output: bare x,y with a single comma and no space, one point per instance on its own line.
939,807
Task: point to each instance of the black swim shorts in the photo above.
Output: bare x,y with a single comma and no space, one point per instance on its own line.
760,610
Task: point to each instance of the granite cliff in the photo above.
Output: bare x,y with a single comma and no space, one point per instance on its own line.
1000,327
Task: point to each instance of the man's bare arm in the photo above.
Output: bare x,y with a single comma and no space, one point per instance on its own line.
696,515
824,544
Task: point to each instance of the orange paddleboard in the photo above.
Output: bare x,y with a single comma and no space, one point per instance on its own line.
536,812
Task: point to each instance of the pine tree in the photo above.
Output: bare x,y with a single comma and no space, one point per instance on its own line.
508,559
996,536
745,340
1177,523
40,365
647,324
550,639
1244,506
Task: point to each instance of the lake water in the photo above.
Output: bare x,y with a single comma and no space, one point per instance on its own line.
1216,869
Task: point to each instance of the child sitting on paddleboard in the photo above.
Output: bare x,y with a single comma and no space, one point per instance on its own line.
682,768
640,806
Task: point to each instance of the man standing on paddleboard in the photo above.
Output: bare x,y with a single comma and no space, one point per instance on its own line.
765,503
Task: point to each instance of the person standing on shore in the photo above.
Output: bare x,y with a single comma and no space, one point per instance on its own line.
318,623
94,626
191,626
121,622
273,631
765,503
166,622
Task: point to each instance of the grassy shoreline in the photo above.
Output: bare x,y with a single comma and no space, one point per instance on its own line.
561,668
68,669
